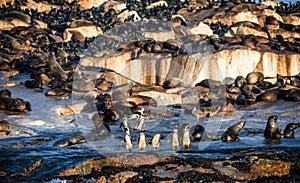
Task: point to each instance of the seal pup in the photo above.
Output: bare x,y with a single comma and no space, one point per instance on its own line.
272,130
289,130
127,140
231,134
142,141
186,138
156,141
175,142
5,127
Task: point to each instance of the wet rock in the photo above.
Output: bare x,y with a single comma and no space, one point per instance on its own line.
123,176
266,167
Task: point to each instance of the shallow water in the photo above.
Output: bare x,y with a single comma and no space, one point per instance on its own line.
35,132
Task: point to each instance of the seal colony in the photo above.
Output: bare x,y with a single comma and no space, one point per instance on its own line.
47,46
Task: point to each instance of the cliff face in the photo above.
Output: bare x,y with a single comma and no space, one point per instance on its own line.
156,68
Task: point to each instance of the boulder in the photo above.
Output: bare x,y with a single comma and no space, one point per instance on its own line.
202,28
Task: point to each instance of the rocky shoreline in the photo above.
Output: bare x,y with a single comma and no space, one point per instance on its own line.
108,59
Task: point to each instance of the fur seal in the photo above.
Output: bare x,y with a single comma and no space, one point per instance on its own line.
289,130
240,81
75,139
198,132
268,96
21,16
272,130
5,127
5,93
55,67
14,104
231,134
254,77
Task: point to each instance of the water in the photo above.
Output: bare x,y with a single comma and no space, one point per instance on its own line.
35,132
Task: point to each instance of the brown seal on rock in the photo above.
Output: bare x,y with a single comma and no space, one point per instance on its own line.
254,78
272,130
5,93
231,134
269,96
5,127
289,130
14,104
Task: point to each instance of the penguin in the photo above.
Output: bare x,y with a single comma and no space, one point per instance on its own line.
156,141
175,142
140,124
127,140
142,141
186,138
124,124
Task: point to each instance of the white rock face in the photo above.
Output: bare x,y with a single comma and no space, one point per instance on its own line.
156,68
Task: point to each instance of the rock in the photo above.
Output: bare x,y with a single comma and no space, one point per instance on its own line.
126,14
102,179
88,4
291,19
117,6
122,177
66,111
266,167
250,31
173,83
202,28
40,7
6,25
163,99
84,31
158,3
162,36
225,63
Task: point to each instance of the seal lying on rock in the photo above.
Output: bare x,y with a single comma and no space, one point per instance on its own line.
272,130
231,134
5,127
14,104
75,139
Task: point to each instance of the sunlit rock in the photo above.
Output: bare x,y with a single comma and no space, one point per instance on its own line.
202,28
88,4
